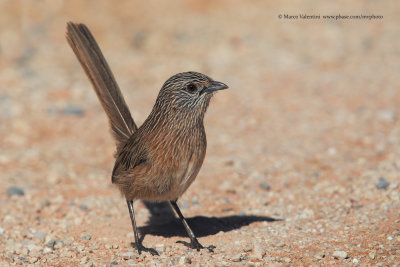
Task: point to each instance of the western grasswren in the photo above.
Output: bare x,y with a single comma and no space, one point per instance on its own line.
159,160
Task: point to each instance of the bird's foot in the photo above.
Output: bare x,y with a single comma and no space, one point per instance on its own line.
141,248
194,244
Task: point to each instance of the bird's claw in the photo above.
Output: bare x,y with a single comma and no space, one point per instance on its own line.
194,244
211,248
141,248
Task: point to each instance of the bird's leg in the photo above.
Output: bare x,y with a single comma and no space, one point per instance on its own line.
194,243
138,243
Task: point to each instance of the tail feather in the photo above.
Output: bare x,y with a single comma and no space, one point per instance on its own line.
99,73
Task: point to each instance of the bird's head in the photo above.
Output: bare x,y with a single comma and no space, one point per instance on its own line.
188,92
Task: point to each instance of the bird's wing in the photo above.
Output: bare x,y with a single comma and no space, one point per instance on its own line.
130,156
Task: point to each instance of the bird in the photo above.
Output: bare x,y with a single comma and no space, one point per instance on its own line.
159,160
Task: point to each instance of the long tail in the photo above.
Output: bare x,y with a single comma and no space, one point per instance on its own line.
99,73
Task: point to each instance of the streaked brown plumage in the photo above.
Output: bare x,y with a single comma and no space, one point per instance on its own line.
159,160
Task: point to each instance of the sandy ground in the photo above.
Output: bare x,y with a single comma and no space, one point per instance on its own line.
303,157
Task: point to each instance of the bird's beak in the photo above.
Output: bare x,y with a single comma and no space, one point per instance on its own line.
215,86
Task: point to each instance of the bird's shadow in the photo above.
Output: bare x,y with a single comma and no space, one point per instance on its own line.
162,222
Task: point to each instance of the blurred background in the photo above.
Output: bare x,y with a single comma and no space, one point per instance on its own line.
308,126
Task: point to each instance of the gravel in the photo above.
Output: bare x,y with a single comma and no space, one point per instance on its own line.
287,259
84,207
184,260
340,254
372,255
40,235
127,255
265,186
51,243
15,191
236,258
72,110
86,237
160,248
47,250
247,248
382,183
386,115
84,260
320,255
257,252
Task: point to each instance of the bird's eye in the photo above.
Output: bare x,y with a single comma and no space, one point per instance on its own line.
191,88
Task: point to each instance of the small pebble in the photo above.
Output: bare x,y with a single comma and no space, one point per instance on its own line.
33,247
86,237
15,191
332,151
257,252
68,241
47,250
94,247
160,247
51,244
265,186
83,207
382,183
25,242
372,255
236,258
247,248
84,260
184,204
58,244
127,255
340,254
319,255
185,260
386,115
39,235
72,110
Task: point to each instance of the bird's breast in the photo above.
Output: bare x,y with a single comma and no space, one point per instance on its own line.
177,158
